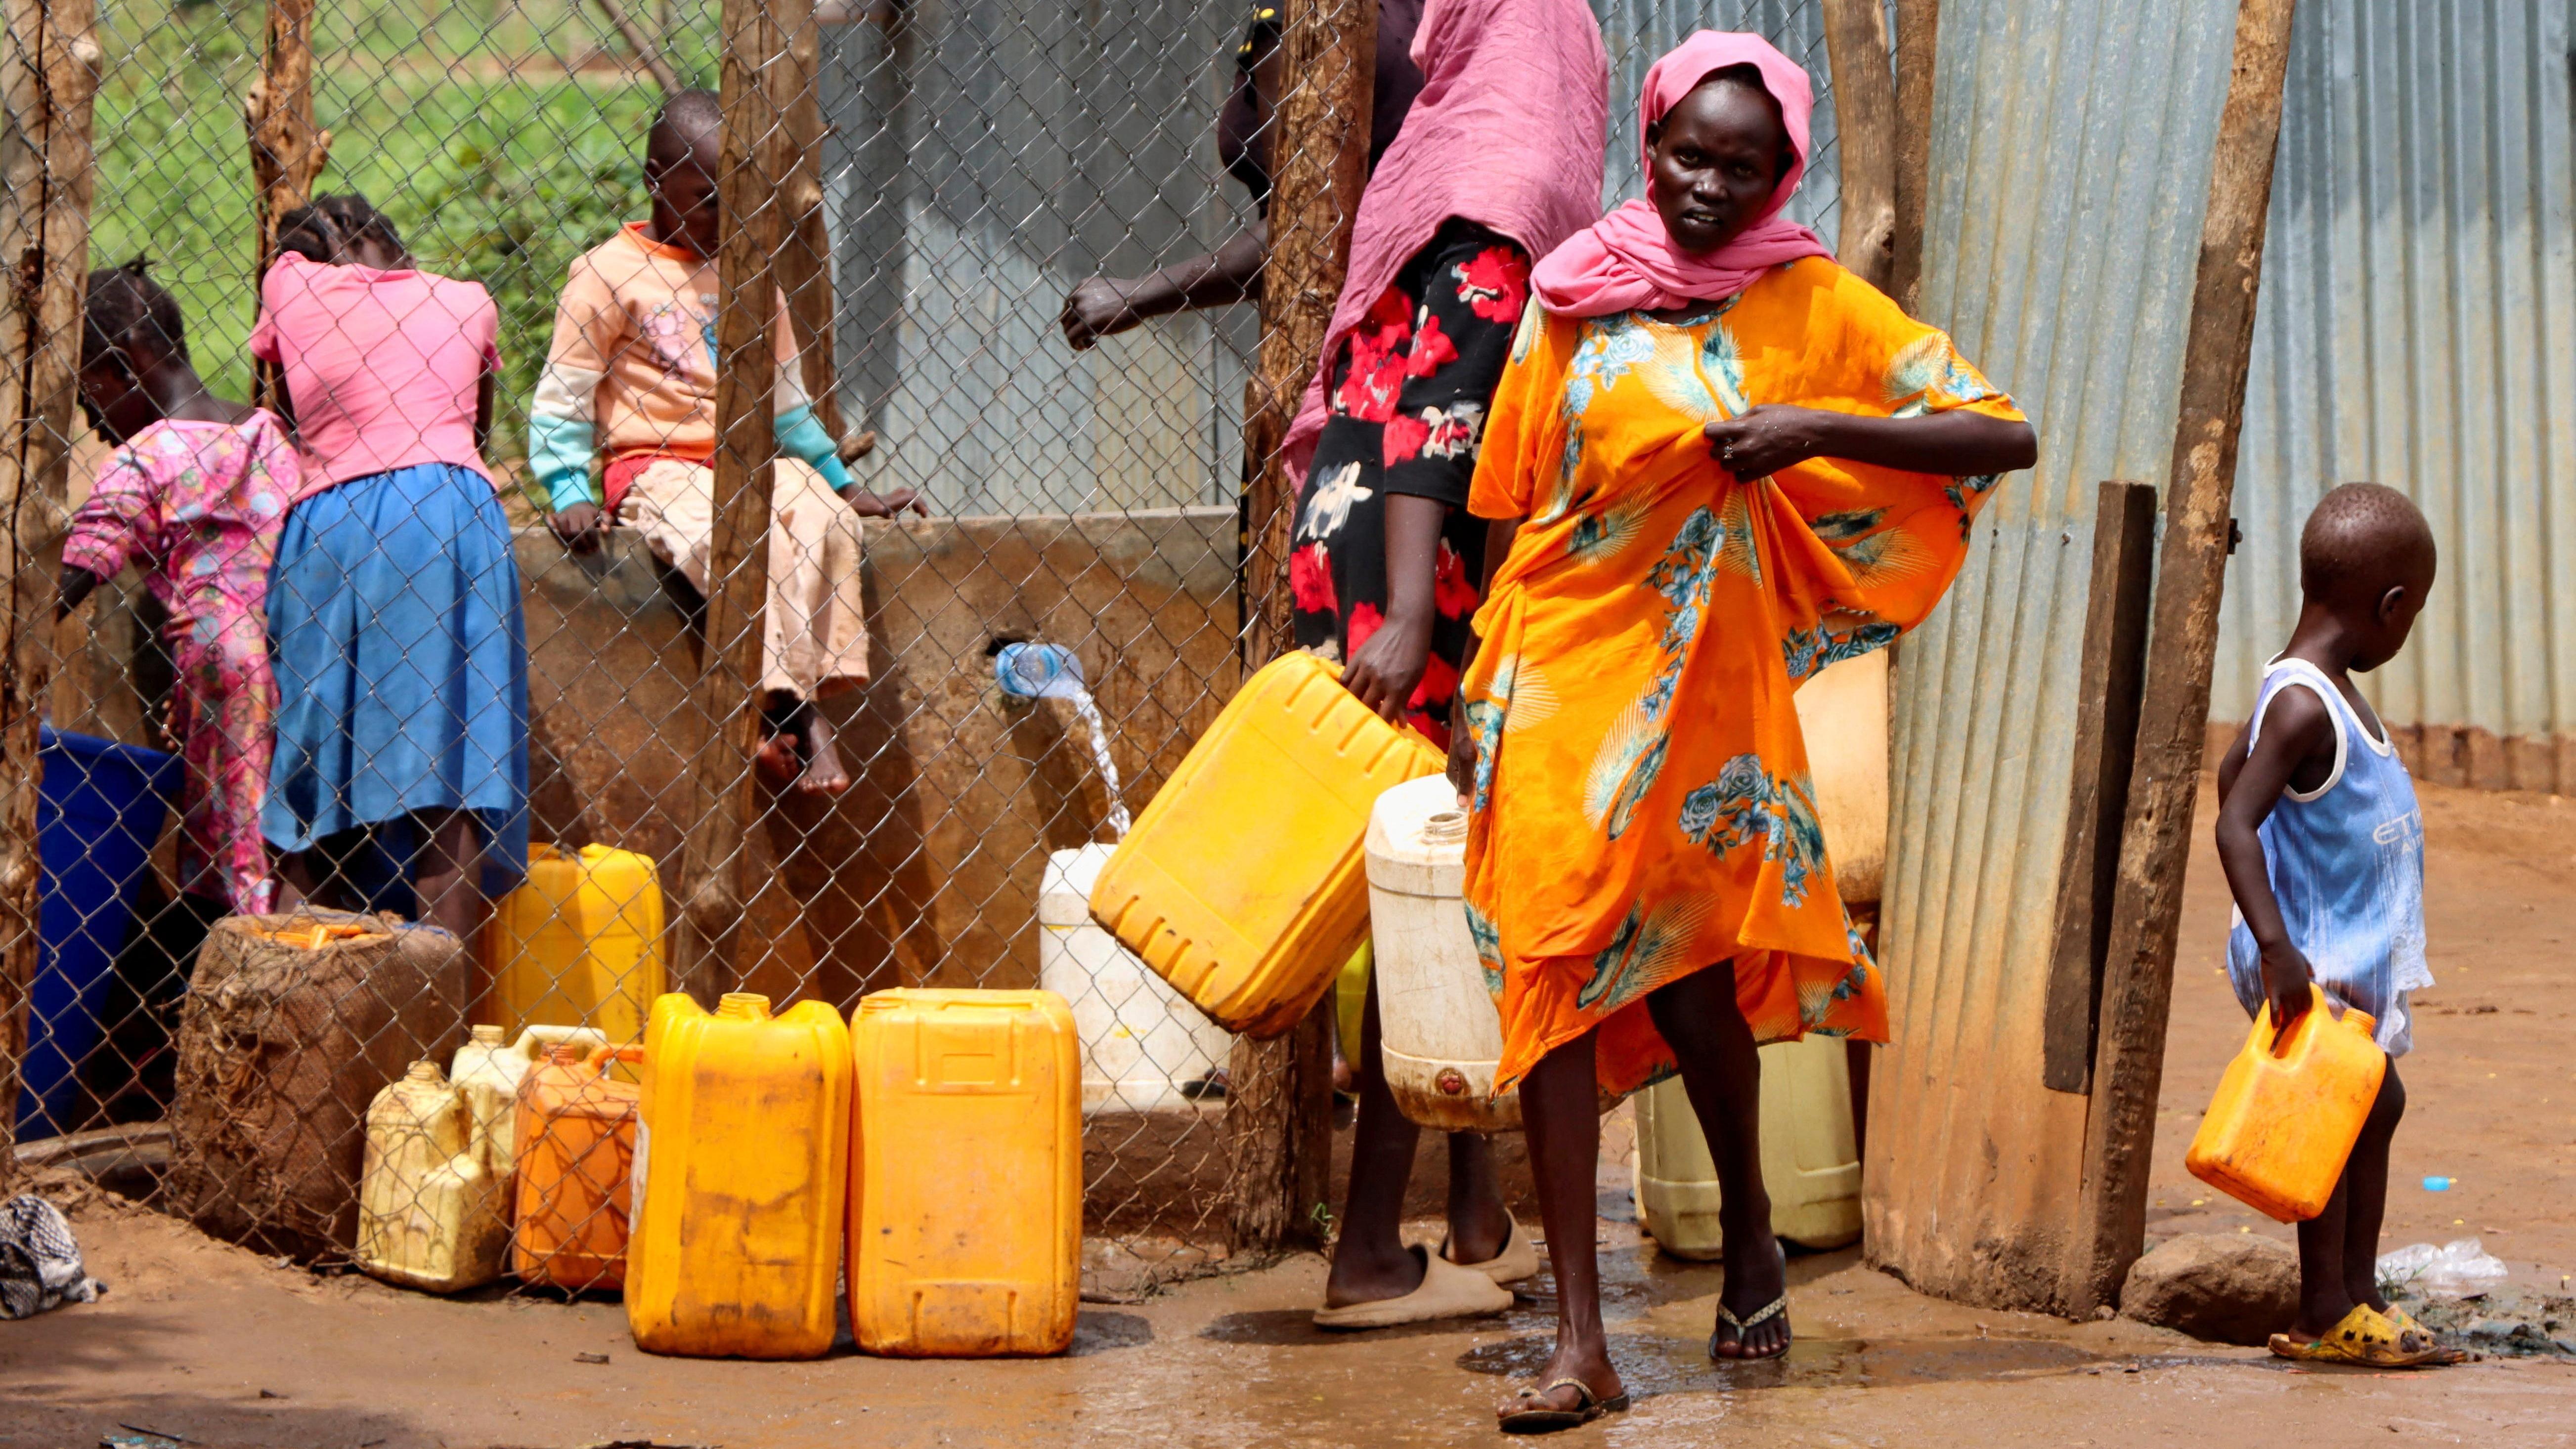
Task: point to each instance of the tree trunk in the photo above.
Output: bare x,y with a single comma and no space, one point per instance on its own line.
758,156
2173,719
49,77
1278,1117
1865,125
287,149
1918,35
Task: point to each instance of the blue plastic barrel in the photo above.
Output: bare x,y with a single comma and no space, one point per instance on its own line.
99,809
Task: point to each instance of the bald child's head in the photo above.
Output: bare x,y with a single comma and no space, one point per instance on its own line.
680,158
2367,557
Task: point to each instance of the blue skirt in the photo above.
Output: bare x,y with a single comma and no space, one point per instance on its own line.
401,654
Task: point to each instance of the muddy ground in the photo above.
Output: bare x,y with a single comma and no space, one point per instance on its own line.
214,1346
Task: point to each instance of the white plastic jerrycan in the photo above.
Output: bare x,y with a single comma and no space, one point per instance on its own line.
1438,1028
1143,1043
488,1070
1809,1164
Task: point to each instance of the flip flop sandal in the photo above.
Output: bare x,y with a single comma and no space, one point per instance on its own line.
1447,1291
1517,1261
2413,1335
2364,1338
1542,1418
1776,1308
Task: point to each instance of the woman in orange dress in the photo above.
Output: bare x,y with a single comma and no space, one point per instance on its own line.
1716,463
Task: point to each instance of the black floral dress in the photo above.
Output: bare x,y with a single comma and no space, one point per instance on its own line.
1405,401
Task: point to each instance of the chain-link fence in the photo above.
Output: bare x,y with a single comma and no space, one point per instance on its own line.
1004,673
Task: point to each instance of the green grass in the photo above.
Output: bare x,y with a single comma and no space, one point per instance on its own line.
463,126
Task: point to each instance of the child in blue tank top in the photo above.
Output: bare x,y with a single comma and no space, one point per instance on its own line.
2324,851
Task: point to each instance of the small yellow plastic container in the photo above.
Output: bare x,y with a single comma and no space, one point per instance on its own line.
966,1174
578,944
2287,1112
1242,883
429,1205
740,1169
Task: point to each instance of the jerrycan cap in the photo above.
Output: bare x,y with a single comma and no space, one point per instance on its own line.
487,1035
743,1006
424,1072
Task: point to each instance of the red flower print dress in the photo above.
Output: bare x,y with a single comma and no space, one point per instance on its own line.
1406,402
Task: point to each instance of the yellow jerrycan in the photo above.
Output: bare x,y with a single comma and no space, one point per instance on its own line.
429,1205
740,1168
488,1070
1810,1165
966,1173
1242,884
2289,1109
579,943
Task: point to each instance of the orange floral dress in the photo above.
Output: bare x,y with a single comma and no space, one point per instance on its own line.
1643,807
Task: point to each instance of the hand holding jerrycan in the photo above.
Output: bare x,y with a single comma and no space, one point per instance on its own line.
1242,884
741,1164
2289,1109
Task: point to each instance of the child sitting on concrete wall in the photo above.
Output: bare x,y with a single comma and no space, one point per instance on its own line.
631,377
2323,846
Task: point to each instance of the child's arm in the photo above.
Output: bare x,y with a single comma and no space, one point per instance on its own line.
801,435
106,533
562,430
2295,745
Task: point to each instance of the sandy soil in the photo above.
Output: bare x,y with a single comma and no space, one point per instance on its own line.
214,1344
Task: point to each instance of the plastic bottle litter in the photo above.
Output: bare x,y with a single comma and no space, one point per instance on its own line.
2461,1268
1051,671
2437,1184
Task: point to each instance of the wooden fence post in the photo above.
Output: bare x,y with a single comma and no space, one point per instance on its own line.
804,261
48,78
2173,718
1278,1115
757,158
1918,34
287,149
1865,128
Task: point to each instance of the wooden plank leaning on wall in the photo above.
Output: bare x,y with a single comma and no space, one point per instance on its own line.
2173,718
48,79
1278,1115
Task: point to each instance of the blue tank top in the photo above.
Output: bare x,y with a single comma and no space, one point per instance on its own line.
2346,862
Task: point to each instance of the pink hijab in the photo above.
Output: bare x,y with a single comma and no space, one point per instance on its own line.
1507,132
1626,261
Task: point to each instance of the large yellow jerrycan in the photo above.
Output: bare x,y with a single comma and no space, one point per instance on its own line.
429,1206
579,943
488,1070
1810,1164
740,1167
2289,1109
1241,884
966,1173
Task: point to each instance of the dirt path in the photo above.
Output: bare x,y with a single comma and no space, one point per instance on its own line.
210,1342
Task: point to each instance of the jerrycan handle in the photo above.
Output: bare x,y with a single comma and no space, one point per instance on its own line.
2292,1050
601,1056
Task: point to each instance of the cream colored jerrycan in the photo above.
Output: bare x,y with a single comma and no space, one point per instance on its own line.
1809,1164
1438,1028
1143,1043
488,1071
1842,711
429,1205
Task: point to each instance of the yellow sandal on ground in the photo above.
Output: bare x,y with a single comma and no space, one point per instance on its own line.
2368,1339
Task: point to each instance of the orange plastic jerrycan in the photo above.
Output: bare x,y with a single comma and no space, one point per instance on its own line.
966,1173
2288,1111
1242,883
576,1131
739,1177
579,943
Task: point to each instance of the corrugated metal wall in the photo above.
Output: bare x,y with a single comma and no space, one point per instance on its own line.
990,153
2070,168
2417,328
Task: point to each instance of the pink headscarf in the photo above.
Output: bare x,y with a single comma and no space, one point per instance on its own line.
1626,261
1507,132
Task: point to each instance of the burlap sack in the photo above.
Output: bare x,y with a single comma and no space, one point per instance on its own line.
282,1044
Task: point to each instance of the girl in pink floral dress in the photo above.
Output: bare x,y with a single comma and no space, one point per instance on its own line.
195,493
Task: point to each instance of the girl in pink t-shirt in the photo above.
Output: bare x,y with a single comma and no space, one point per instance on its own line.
394,615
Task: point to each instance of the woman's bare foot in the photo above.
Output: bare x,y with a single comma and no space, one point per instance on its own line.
1757,1277
1587,1363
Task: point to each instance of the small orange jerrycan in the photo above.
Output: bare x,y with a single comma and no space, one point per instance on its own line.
1242,884
739,1173
576,1131
966,1174
2288,1111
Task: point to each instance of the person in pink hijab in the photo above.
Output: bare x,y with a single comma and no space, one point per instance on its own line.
1498,161
1715,463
